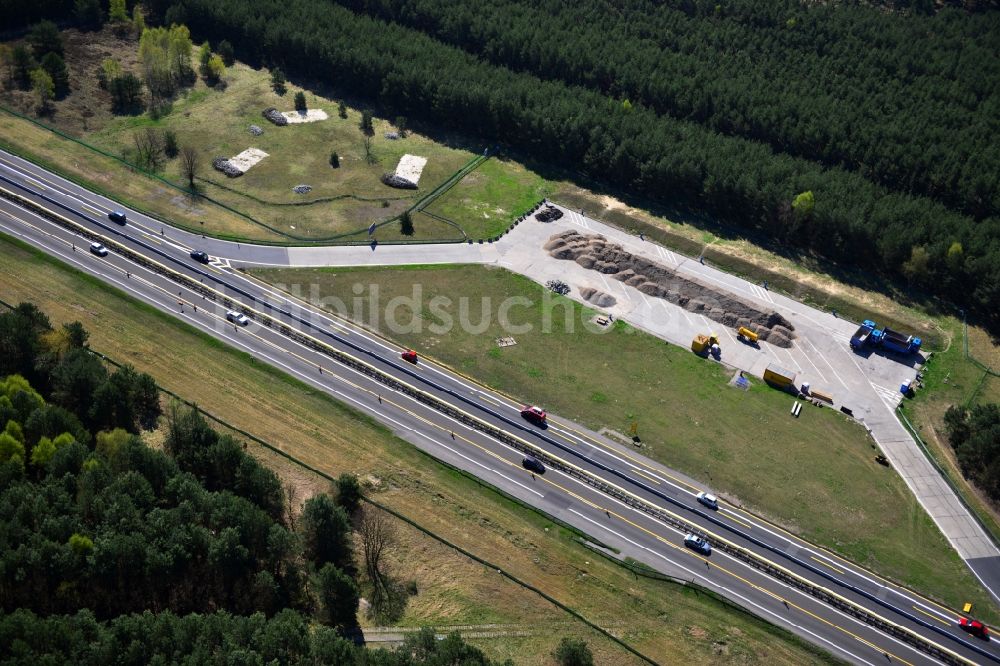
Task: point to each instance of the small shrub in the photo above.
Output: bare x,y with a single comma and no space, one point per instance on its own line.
170,146
335,160
300,101
406,224
342,110
278,81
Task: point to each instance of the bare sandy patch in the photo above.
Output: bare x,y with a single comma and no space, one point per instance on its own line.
308,116
410,167
247,159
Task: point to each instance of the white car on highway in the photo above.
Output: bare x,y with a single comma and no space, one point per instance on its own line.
237,318
711,501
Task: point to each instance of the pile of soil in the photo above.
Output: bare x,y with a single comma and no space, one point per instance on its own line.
598,298
548,214
593,251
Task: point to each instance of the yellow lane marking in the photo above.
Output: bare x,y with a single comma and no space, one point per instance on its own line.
788,603
931,615
737,520
154,240
92,209
490,398
647,476
717,566
214,270
826,564
848,564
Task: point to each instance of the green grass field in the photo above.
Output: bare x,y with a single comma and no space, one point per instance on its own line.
486,200
343,202
952,379
663,620
815,475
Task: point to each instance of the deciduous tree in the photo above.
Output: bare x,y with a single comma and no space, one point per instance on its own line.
189,164
43,87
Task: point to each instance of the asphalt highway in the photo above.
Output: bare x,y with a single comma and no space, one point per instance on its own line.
635,533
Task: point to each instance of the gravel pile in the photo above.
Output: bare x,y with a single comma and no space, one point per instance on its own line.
256,130
275,116
392,180
302,189
558,286
392,136
225,166
596,253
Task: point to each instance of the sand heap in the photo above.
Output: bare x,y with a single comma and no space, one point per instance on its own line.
598,298
593,251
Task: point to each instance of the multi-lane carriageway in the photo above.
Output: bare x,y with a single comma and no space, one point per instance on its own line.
620,498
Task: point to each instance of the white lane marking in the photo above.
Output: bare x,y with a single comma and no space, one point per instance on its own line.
677,307
709,582
476,462
746,566
888,397
789,355
803,341
830,365
127,287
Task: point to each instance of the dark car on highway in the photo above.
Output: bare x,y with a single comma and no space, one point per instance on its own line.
199,255
533,464
117,216
697,543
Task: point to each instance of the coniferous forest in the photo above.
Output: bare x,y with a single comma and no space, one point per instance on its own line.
889,118
112,552
886,112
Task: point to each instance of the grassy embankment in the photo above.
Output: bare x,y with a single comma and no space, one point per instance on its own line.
216,120
662,620
815,475
950,378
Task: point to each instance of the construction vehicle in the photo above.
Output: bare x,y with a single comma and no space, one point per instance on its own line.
897,342
869,334
778,377
705,344
745,334
863,334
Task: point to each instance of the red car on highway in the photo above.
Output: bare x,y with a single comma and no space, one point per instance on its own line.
534,414
974,627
